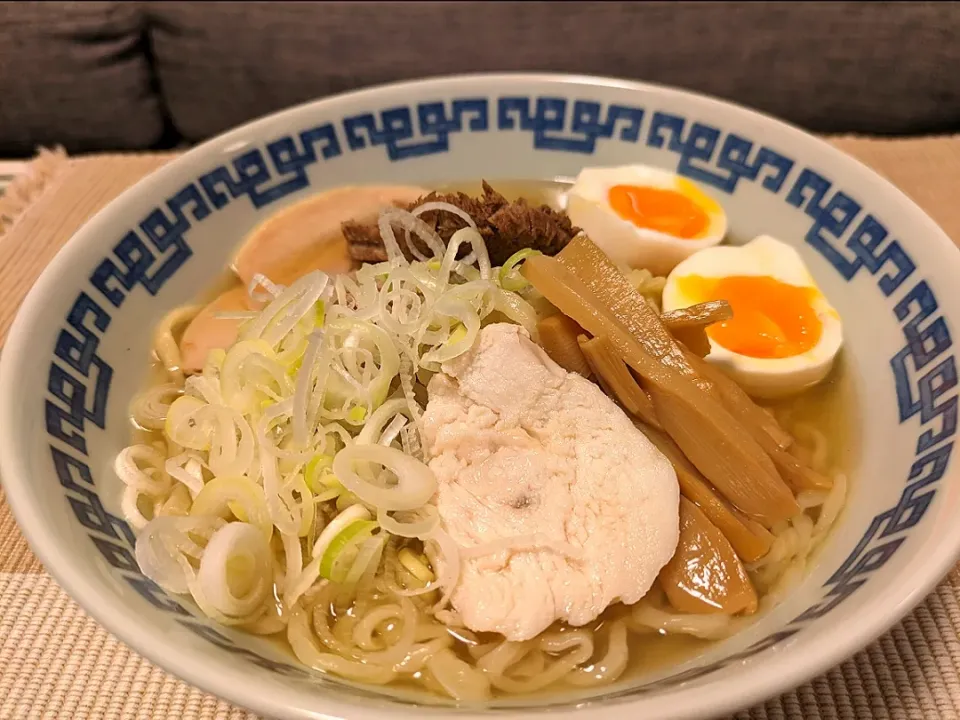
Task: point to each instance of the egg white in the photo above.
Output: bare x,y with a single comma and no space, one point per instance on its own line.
764,256
641,248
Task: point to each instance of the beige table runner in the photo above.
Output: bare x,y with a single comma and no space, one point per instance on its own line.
55,662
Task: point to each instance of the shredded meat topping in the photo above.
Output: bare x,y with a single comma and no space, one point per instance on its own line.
505,227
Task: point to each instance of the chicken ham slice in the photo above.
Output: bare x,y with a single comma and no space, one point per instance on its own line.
207,331
560,505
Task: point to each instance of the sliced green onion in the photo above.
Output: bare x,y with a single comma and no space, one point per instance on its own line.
237,495
342,550
347,499
295,366
239,552
320,315
328,494
287,309
462,311
376,424
305,503
367,560
510,277
182,425
356,414
215,358
417,565
350,337
291,356
317,472
458,334
321,480
417,524
346,517
233,382
316,465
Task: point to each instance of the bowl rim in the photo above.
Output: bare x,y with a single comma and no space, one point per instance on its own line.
782,671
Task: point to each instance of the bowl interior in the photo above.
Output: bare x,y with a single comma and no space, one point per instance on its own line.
79,349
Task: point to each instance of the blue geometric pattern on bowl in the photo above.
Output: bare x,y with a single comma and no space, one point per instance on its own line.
851,238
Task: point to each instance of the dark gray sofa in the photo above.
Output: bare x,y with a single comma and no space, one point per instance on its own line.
97,76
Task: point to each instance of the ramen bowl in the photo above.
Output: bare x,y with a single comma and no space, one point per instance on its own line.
78,349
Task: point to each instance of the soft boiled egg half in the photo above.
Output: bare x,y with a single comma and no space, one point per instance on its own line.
644,217
783,337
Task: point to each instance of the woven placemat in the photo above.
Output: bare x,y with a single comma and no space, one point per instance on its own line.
55,662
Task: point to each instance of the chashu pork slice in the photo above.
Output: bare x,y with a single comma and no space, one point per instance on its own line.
559,504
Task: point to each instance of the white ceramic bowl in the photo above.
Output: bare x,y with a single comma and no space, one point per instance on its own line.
78,349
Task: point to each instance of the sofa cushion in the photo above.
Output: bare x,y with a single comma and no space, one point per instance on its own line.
832,67
76,74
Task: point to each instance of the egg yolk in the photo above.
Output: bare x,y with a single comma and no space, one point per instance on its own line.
771,319
666,211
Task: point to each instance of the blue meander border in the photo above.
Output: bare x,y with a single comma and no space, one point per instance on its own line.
851,238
